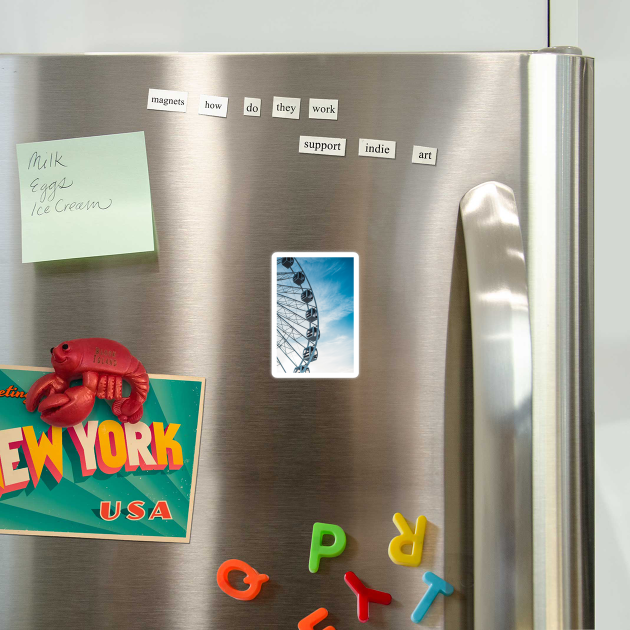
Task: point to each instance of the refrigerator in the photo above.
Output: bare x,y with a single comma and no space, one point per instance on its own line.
458,187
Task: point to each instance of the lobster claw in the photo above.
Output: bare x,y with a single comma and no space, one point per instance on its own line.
43,386
68,408
128,410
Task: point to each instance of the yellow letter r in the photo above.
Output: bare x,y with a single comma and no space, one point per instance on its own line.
407,537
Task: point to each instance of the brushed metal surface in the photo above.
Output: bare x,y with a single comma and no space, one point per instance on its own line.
275,455
502,368
560,276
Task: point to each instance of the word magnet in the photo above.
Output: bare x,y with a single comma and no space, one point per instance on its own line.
323,108
213,105
436,586
377,148
319,550
407,537
285,107
424,155
322,146
251,106
365,595
309,623
252,577
167,100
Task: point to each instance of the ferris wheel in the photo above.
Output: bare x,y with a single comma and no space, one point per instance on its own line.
297,319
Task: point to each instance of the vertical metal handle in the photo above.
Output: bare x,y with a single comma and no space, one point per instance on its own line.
502,373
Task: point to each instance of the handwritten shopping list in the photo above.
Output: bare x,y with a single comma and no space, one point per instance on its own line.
85,197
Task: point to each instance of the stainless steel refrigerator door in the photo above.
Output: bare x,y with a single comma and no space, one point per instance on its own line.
278,455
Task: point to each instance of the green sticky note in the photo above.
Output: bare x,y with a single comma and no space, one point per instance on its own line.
85,197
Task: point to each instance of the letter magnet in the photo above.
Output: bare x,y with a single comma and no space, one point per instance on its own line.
252,577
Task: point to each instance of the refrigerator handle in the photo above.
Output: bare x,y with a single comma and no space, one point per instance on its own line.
502,374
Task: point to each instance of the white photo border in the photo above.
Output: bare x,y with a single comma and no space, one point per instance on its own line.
274,314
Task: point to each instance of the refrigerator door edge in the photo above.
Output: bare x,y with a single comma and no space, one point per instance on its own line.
558,211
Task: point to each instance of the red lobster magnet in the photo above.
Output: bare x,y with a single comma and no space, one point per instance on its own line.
102,364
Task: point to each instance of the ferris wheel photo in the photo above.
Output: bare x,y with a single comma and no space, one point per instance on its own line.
315,319
297,318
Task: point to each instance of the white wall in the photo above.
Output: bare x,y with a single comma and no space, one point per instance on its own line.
270,25
604,29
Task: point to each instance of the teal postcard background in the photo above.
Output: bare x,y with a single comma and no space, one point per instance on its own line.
72,505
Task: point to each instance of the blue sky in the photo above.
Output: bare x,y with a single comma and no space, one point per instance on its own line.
332,280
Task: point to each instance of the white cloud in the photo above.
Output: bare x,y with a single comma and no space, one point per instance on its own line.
332,306
339,339
336,355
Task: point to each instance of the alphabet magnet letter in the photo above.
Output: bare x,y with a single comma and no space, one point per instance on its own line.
252,577
436,586
319,551
309,623
407,537
365,595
